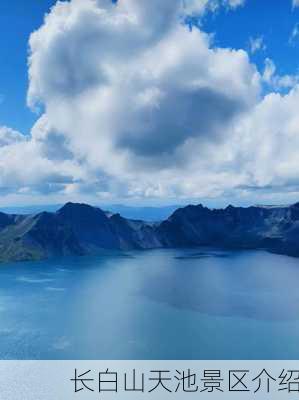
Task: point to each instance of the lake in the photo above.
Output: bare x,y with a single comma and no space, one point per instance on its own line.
160,304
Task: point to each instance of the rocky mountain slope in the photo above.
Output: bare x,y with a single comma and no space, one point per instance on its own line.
75,229
79,229
272,228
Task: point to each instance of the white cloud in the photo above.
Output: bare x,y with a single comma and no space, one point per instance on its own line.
275,81
270,135
9,136
295,3
201,6
127,101
236,3
137,106
257,44
26,168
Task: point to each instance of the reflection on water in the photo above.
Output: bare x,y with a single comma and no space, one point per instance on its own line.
162,304
202,254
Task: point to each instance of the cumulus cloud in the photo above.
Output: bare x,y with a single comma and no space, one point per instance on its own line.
136,105
276,81
27,168
295,3
9,136
202,6
126,88
274,126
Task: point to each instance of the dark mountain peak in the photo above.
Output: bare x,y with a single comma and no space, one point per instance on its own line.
70,206
230,207
80,210
117,217
90,225
43,217
193,207
190,208
43,214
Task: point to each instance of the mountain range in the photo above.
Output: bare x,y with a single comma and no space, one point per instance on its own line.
155,213
81,229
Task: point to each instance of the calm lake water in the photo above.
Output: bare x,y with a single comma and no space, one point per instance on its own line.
162,304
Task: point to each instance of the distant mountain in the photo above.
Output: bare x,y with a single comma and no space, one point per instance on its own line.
80,229
143,213
259,227
157,213
31,209
75,229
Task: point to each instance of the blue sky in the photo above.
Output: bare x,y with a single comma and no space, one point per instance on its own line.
272,20
19,18
126,104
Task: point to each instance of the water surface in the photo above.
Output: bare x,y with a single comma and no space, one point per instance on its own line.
161,304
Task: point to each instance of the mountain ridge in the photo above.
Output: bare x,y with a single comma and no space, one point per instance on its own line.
81,229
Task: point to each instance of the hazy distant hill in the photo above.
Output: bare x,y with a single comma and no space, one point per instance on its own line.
145,213
79,229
